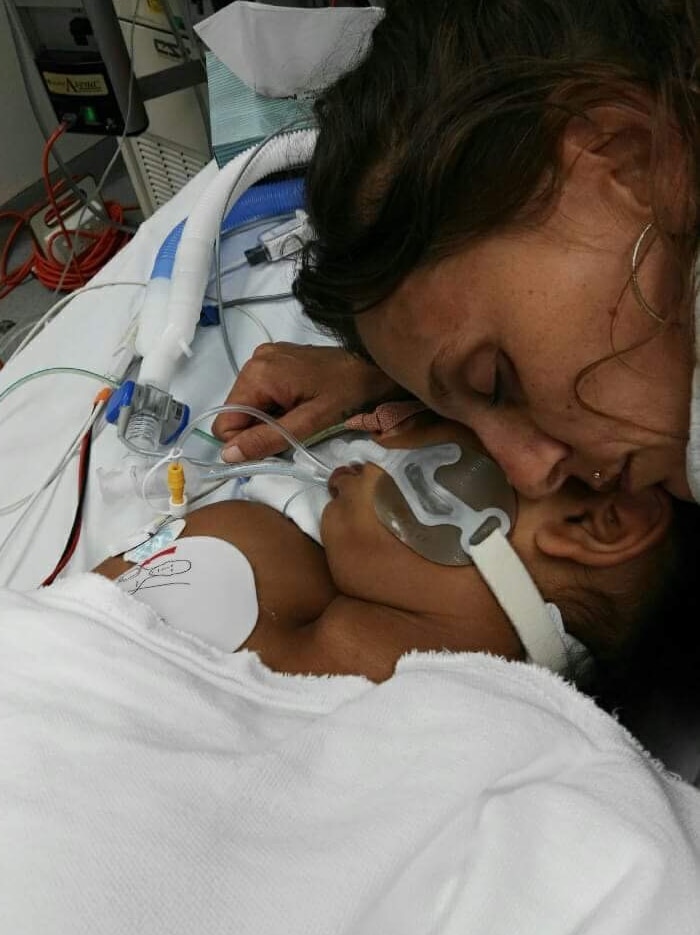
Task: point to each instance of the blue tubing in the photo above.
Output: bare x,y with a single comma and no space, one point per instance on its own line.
258,202
264,201
165,260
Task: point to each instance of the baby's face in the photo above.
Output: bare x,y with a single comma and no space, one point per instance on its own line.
371,562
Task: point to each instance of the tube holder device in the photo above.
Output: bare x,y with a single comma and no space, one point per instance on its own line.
146,415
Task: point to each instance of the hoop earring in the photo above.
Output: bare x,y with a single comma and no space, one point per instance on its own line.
635,282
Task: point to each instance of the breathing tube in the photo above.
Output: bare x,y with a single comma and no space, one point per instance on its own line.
268,199
305,467
144,411
193,256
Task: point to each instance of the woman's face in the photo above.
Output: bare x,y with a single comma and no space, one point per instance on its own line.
497,336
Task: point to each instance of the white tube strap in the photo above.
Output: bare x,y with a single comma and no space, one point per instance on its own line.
511,585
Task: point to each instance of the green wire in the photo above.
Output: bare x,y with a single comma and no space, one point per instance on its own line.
331,432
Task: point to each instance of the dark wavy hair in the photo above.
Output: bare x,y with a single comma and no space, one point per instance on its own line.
656,646
450,130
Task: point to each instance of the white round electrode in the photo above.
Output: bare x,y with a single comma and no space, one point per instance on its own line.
201,586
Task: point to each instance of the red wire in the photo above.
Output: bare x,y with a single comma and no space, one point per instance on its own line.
74,536
50,193
51,271
83,471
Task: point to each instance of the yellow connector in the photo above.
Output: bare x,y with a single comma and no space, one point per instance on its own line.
176,483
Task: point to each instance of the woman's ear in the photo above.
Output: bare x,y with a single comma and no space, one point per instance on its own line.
604,530
609,156
610,149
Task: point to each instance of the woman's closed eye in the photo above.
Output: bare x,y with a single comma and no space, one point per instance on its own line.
506,388
490,376
497,395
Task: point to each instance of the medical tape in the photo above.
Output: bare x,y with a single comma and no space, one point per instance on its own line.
510,583
443,506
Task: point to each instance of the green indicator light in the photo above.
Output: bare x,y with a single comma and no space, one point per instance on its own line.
90,115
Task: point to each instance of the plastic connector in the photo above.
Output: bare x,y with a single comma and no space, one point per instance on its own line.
176,481
282,241
145,415
176,485
256,255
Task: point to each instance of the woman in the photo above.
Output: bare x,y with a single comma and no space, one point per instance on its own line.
504,196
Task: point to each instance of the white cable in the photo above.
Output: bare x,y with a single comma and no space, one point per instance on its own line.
226,338
175,454
219,273
59,306
75,444
256,321
226,271
10,508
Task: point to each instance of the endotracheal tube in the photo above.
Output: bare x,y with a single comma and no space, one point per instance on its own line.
304,465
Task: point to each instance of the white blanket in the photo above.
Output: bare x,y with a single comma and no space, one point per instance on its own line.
149,783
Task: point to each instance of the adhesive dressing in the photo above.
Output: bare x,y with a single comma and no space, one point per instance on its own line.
199,585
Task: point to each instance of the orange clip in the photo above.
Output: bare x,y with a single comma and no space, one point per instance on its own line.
103,395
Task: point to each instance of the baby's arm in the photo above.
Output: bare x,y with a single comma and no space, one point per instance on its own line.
291,574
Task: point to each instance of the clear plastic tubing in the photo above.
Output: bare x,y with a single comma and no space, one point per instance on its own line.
317,472
276,466
143,430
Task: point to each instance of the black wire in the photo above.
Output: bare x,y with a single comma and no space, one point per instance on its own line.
254,299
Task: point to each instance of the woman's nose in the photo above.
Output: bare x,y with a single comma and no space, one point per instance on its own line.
535,463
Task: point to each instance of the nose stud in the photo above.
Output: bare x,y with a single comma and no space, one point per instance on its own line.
598,481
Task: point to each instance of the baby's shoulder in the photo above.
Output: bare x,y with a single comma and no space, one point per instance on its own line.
290,569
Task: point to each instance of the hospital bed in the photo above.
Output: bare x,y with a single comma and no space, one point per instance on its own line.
41,414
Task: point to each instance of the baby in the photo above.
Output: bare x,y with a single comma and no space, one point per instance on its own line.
366,598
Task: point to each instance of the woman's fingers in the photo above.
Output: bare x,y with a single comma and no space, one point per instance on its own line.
307,388
265,382
261,440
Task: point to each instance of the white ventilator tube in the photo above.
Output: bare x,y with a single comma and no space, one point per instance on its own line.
193,260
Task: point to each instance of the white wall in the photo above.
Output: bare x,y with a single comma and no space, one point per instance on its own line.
21,142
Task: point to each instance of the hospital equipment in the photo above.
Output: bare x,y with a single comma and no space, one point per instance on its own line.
193,259
148,416
146,413
175,147
88,345
82,59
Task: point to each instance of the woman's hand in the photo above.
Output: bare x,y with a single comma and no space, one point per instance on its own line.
307,388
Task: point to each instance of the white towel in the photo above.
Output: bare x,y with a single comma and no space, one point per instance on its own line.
149,783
